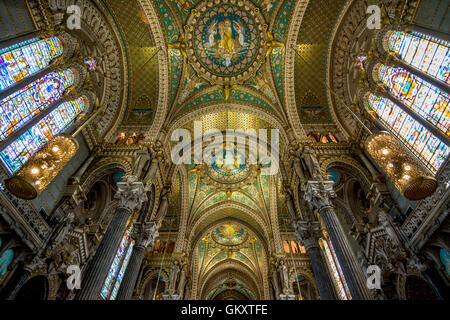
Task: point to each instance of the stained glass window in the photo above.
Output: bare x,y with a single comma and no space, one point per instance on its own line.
19,151
5,260
427,147
338,276
118,267
27,58
428,54
22,105
420,96
123,268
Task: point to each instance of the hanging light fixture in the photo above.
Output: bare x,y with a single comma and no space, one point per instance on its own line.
407,173
42,168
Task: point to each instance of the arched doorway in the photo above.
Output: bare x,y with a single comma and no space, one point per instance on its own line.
34,289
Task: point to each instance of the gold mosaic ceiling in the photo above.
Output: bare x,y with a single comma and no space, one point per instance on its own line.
143,72
310,67
264,89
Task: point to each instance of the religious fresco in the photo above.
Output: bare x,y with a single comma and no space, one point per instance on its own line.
229,234
225,40
311,110
229,165
227,242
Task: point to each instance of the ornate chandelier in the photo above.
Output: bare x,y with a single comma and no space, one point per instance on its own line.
407,173
42,168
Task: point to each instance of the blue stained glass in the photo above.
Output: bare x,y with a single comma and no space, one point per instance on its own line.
5,261
123,268
427,147
22,105
27,58
429,55
115,266
19,151
420,96
445,259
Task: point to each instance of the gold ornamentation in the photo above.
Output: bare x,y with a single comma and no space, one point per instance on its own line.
407,173
271,43
42,168
180,45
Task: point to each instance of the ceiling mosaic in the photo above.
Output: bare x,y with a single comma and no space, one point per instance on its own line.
229,242
310,65
225,42
217,52
229,234
140,48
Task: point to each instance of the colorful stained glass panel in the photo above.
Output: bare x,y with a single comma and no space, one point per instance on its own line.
27,58
420,96
429,55
123,268
23,105
115,266
428,148
19,151
342,291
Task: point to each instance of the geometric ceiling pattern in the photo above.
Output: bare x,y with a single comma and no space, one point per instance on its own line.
310,62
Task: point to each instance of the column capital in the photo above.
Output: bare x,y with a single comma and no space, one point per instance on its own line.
34,264
308,233
131,193
318,194
145,233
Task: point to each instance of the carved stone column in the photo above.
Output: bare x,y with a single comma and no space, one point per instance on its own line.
131,195
22,277
144,235
308,233
318,196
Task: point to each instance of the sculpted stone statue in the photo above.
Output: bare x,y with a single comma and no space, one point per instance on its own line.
290,204
296,164
284,276
384,220
311,162
163,205
61,231
182,281
174,272
141,160
276,282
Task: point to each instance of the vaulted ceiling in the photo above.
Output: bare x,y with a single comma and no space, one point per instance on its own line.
252,74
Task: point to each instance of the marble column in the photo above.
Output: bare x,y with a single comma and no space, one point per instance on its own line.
309,234
22,277
144,235
318,195
131,195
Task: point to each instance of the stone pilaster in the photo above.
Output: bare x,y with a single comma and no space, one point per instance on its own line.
131,195
308,234
145,235
318,196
